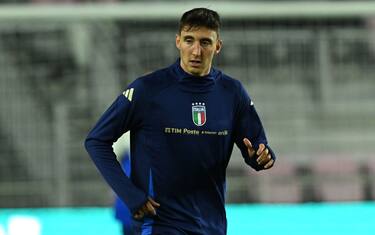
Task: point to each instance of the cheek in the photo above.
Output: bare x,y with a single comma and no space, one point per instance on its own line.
185,50
210,54
183,53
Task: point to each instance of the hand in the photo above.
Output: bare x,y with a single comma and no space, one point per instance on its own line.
263,155
149,208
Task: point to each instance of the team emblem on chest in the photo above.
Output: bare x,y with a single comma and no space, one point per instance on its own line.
198,111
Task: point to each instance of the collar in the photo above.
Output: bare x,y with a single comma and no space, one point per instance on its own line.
182,74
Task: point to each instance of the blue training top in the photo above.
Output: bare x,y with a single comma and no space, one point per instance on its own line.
182,132
122,212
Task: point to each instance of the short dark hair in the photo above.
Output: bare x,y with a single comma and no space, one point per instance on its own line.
200,17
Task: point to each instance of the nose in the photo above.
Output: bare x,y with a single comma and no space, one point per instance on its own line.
197,49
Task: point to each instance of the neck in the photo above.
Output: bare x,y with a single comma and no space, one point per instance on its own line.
204,73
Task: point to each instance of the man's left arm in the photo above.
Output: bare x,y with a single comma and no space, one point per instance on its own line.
250,136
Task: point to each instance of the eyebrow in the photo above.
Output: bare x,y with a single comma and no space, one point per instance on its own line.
207,39
202,39
188,37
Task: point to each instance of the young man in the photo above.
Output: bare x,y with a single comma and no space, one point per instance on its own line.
183,122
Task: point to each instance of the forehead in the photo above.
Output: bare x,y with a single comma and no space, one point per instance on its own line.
199,32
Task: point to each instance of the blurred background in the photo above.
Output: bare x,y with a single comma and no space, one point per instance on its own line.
309,67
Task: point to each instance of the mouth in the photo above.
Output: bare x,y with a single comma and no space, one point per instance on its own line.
195,63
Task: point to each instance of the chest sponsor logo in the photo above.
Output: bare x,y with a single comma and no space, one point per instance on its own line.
198,111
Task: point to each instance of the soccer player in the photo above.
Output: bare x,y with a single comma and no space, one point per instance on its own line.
183,120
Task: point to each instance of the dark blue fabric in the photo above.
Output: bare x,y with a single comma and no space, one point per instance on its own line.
187,162
122,213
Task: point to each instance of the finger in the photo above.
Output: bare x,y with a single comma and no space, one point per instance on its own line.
269,164
150,209
249,146
265,160
140,212
247,142
153,203
138,215
260,149
144,208
264,157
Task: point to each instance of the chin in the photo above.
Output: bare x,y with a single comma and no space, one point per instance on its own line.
195,72
199,69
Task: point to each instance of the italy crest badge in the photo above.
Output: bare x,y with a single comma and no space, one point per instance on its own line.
199,113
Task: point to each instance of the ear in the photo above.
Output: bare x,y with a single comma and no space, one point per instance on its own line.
178,40
219,45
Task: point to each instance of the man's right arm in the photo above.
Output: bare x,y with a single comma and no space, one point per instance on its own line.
118,118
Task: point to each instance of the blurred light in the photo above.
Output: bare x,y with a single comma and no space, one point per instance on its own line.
21,225
2,232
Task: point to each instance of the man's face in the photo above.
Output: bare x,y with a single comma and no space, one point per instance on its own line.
197,48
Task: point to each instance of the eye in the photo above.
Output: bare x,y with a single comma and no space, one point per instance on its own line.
188,40
206,43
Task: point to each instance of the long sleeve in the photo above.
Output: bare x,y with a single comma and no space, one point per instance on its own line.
119,118
248,125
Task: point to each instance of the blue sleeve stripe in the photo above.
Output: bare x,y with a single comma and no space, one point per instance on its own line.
151,186
148,222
